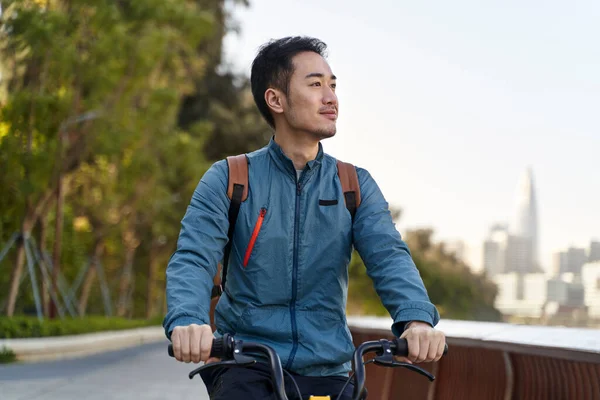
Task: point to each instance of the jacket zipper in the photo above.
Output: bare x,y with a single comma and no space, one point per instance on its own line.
259,222
294,279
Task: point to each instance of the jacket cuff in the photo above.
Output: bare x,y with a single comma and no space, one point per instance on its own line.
400,327
408,315
182,321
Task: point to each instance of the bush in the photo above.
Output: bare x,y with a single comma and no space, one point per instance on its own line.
6,355
31,327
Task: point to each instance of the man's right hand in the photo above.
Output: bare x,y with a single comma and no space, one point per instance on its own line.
193,343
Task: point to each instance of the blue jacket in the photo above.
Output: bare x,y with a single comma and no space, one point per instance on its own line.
287,284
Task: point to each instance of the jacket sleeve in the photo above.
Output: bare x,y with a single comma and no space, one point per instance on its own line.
388,260
200,246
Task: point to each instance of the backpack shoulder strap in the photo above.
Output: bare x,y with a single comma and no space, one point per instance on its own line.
237,191
238,176
350,186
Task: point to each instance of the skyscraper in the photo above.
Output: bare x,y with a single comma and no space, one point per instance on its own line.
494,250
594,254
571,260
525,224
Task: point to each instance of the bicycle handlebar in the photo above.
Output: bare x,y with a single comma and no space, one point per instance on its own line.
386,349
226,348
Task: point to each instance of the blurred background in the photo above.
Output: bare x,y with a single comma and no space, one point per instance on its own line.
479,121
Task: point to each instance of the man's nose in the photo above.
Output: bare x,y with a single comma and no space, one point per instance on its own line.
329,97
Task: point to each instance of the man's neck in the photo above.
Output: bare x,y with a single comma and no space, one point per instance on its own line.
298,149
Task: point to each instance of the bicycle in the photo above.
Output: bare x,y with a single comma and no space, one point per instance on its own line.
231,351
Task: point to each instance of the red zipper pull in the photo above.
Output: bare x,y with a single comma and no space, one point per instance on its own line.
255,232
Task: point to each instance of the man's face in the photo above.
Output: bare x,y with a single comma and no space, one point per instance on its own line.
311,104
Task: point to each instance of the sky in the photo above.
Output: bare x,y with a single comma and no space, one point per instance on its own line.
447,104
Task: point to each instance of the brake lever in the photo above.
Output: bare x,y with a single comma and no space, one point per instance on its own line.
238,361
412,367
386,359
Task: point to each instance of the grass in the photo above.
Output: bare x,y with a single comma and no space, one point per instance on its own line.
31,327
7,355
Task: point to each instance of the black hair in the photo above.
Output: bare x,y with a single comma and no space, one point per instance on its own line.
272,67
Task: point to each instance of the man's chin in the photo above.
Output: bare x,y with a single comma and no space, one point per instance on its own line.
325,133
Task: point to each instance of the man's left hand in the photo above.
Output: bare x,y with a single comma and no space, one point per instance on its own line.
425,344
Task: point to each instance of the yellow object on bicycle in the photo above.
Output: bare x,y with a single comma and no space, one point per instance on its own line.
319,398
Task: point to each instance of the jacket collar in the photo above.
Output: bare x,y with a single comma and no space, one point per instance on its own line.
286,164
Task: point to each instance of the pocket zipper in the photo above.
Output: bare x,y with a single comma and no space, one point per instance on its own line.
259,221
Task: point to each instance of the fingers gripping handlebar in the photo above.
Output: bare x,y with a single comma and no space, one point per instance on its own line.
385,350
224,346
230,350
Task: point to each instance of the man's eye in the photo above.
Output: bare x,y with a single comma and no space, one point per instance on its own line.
333,85
316,84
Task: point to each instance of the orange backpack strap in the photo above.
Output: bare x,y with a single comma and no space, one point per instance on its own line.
237,191
238,175
350,186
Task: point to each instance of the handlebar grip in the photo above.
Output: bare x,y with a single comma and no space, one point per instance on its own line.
402,347
219,349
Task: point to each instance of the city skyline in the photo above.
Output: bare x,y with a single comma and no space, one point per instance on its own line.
520,236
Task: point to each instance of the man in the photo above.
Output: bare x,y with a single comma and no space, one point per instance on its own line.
287,279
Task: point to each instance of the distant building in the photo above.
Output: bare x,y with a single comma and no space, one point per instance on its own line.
590,277
494,250
519,255
559,262
567,290
525,227
594,254
505,253
521,295
516,249
570,261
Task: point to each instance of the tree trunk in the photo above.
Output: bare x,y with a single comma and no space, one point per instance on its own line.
60,199
125,281
86,289
89,278
43,234
163,302
16,278
129,306
29,221
151,284
20,261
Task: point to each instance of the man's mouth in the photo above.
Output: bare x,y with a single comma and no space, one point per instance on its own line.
332,115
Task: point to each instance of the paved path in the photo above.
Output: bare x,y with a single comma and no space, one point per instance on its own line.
143,372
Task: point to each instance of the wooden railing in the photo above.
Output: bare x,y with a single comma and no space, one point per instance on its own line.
488,361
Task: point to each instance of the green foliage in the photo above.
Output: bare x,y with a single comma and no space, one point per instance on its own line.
457,292
31,327
226,100
362,297
7,355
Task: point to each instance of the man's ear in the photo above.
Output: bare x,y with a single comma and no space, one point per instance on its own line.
274,100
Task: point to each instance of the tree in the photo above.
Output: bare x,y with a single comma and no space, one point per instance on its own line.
85,79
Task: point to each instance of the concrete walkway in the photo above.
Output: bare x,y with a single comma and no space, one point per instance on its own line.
140,372
66,347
